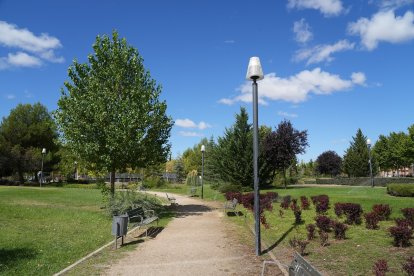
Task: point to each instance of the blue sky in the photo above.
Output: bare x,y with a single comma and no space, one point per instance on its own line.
331,66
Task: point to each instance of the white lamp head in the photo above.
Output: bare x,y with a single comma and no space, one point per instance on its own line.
203,148
44,151
369,142
254,71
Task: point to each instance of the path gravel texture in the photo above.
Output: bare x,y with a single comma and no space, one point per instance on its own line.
198,241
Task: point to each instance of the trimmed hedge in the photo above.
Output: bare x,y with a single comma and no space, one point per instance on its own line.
400,189
364,181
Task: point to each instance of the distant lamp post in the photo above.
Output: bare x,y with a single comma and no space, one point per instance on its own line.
203,149
370,162
41,171
254,73
75,176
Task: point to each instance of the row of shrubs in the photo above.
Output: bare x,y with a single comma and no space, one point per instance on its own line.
400,189
364,181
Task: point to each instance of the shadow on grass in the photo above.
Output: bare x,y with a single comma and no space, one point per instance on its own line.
234,214
10,257
279,240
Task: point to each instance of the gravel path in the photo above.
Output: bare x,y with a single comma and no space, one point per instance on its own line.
196,242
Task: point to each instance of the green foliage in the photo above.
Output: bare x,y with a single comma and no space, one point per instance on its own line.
356,159
124,201
329,162
362,181
23,134
395,151
110,112
192,178
406,190
228,187
153,182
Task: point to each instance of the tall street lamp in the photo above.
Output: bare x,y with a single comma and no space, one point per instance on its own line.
254,73
203,149
41,171
370,163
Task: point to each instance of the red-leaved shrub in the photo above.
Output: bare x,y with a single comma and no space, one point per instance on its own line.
311,231
339,229
402,222
408,213
232,195
401,235
285,202
304,202
324,237
294,204
409,266
371,220
380,267
353,212
382,210
323,223
338,209
321,203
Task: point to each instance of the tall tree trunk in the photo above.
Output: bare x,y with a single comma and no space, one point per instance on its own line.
112,181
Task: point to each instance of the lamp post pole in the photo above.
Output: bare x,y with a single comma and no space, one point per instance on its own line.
370,163
254,73
41,171
203,149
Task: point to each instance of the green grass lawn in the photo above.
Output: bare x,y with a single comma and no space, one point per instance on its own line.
353,256
43,230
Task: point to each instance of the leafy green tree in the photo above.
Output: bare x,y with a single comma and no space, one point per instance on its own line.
179,169
110,113
282,145
356,158
24,133
381,151
329,162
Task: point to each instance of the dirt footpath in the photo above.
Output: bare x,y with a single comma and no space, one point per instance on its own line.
197,241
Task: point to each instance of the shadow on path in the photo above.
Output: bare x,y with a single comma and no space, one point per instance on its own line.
190,210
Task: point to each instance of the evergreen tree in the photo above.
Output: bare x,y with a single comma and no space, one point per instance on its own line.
356,159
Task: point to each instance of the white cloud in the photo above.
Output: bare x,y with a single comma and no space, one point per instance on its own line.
187,123
394,4
43,46
296,88
383,26
326,7
21,59
302,31
10,96
322,53
287,115
190,134
358,78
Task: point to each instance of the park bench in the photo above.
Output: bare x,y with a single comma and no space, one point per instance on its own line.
231,206
141,217
300,266
170,199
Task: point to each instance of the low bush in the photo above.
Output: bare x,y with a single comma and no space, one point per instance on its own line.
382,210
371,220
352,211
124,201
232,195
338,209
299,245
321,203
227,187
409,266
285,202
304,203
399,189
339,229
311,231
402,222
408,213
380,268
294,204
272,195
324,237
323,223
401,235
